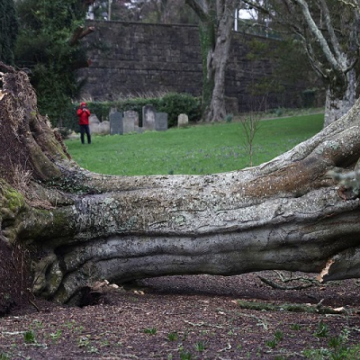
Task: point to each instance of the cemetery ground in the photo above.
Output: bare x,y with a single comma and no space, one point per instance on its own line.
193,317
196,149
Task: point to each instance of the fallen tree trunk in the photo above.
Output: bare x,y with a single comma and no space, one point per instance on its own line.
287,214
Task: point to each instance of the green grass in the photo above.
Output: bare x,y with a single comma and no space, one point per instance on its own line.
201,149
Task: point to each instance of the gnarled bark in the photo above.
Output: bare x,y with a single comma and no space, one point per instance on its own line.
285,214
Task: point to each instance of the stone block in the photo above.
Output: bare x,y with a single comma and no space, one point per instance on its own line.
183,120
148,117
161,121
116,123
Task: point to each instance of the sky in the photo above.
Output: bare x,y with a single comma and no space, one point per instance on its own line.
247,14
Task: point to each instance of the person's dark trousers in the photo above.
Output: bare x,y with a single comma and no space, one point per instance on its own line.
84,129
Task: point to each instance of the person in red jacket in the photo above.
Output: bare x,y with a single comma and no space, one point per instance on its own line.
83,114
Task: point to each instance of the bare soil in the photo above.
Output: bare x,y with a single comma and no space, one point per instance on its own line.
189,317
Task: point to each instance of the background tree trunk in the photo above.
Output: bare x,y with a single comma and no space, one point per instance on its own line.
285,214
338,103
216,65
217,18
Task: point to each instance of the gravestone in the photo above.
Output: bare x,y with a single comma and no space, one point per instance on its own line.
183,120
131,118
112,110
148,117
93,124
161,121
104,128
116,123
93,119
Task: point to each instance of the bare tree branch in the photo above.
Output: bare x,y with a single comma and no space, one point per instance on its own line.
199,10
318,35
79,33
334,40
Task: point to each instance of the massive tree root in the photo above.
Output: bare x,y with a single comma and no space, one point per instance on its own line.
287,214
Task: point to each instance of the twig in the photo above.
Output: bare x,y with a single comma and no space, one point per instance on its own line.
128,356
34,305
299,278
305,308
274,285
201,323
228,347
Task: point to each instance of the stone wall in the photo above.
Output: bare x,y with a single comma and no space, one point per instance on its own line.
149,59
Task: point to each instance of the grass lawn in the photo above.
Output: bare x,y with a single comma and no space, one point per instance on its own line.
199,149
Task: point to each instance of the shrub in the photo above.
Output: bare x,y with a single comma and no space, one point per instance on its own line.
172,103
43,47
101,109
175,104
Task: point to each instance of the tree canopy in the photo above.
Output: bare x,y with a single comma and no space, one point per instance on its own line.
46,47
328,31
8,31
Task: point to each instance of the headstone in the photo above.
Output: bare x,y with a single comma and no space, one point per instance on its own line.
183,120
112,110
93,124
148,117
94,128
161,121
93,119
104,128
130,119
74,135
116,123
